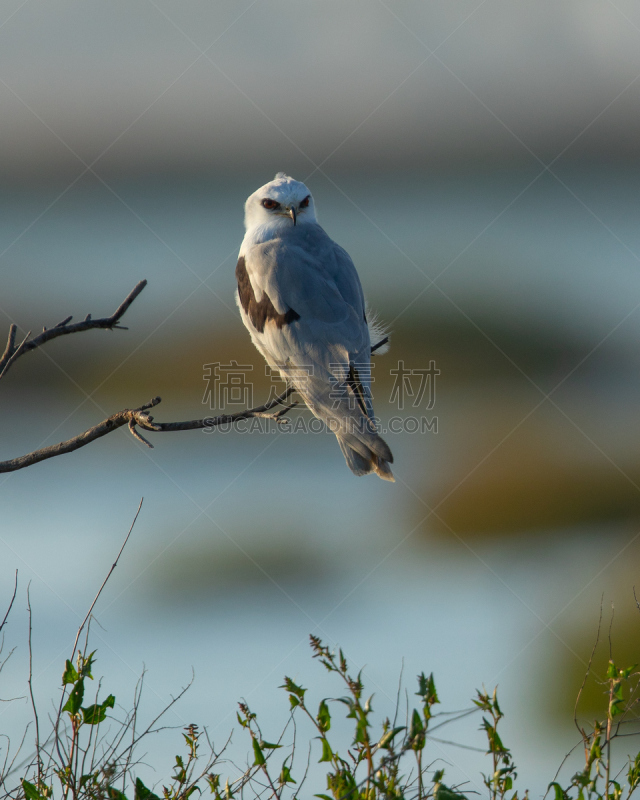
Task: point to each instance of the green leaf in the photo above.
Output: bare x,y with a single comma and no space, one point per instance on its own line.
361,731
115,794
260,759
30,791
324,717
417,726
559,793
142,793
87,663
69,675
327,753
427,688
612,670
93,715
388,737
75,698
343,662
348,702
633,775
323,796
285,775
442,792
292,687
496,707
269,746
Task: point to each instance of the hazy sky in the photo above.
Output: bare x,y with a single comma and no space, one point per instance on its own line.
160,84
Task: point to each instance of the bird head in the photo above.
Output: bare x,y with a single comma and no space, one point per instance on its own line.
283,202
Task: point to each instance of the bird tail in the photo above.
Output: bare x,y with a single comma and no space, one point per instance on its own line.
365,451
362,465
346,408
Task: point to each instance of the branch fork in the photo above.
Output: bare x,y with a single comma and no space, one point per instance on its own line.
135,419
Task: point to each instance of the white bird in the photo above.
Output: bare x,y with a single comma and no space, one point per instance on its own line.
301,300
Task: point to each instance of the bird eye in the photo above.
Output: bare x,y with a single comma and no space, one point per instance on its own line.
305,202
270,204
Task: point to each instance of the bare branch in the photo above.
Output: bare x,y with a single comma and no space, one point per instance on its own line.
133,418
15,589
139,417
379,344
12,353
146,421
15,354
110,424
11,341
33,700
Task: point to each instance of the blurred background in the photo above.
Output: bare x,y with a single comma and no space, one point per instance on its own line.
479,161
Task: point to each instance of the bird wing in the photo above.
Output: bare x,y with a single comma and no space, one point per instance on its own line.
305,272
313,328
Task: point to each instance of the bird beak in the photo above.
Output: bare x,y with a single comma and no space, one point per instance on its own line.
292,212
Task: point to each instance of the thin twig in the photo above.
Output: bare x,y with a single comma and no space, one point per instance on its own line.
607,768
586,675
458,716
104,582
84,622
15,589
150,729
14,356
33,701
610,629
12,353
398,693
457,744
11,341
10,769
379,344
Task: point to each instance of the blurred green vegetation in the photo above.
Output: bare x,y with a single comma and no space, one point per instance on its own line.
533,481
617,637
506,465
239,563
172,359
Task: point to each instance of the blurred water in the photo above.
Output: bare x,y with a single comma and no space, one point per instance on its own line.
518,241
313,549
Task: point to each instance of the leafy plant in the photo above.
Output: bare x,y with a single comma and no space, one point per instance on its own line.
89,750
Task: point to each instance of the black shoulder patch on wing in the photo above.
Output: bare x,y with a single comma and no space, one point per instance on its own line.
353,382
259,313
